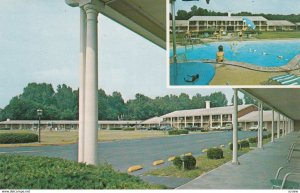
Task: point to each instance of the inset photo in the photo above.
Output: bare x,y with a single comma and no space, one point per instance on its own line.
224,43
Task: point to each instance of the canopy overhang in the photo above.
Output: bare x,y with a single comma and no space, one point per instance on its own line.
283,100
144,17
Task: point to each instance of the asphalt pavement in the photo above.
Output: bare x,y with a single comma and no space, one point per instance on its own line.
123,154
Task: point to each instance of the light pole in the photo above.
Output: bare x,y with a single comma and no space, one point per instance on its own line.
173,30
39,113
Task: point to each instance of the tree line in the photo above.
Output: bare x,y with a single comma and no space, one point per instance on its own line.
198,11
62,104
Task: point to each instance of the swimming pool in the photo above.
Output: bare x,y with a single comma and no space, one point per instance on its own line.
182,71
270,53
262,53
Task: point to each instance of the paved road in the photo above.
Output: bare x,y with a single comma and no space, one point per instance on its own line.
123,154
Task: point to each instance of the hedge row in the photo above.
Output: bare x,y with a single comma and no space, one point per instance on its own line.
11,138
116,128
5,128
178,132
31,172
128,129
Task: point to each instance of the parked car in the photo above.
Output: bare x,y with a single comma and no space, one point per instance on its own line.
255,127
194,128
166,128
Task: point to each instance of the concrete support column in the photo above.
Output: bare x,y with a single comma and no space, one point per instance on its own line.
283,129
261,120
91,86
82,85
193,121
258,125
235,128
278,125
221,120
272,132
202,121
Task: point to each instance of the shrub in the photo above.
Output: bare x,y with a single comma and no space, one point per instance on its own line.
244,144
5,128
265,137
128,129
189,162
32,172
11,138
215,153
231,146
253,140
178,132
116,128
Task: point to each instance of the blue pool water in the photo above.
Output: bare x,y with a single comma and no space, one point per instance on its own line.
261,53
180,71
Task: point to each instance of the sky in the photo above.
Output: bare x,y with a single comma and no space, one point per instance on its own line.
40,43
254,6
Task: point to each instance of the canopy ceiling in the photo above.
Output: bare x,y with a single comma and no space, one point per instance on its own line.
285,100
145,17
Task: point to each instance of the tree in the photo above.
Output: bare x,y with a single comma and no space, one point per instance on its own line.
249,100
239,100
40,93
217,99
182,15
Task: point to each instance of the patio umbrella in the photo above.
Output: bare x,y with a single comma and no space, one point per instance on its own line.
249,22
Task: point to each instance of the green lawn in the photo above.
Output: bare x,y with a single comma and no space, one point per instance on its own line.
203,166
279,35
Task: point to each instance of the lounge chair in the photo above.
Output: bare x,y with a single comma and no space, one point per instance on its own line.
292,149
290,179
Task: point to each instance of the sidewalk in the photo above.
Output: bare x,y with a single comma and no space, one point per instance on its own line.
254,172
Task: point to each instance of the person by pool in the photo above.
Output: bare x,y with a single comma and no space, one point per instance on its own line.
193,78
220,54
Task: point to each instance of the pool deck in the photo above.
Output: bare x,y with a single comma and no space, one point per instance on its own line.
294,64
255,170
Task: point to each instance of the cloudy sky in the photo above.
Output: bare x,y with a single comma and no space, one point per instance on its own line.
254,6
39,42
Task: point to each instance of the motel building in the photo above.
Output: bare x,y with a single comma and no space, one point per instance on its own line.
250,121
181,26
227,23
207,118
64,125
231,23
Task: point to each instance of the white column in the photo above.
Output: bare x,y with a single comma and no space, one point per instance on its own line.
221,120
261,120
258,126
283,130
278,125
171,122
272,132
235,129
185,121
91,87
193,121
82,85
210,121
202,121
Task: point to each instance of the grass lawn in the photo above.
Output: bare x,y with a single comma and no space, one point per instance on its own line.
279,35
203,166
69,137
